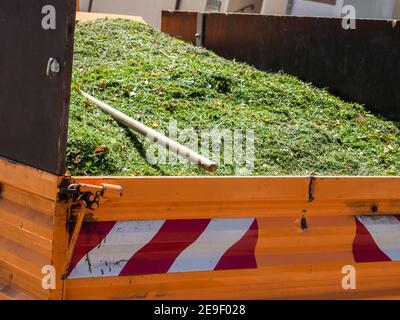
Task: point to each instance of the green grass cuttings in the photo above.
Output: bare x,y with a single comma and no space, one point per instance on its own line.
299,129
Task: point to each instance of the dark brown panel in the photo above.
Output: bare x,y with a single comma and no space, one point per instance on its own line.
360,65
33,105
182,26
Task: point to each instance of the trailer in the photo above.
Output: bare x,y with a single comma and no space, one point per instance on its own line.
66,237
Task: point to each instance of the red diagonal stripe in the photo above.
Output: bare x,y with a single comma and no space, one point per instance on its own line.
397,217
242,254
91,235
160,253
364,247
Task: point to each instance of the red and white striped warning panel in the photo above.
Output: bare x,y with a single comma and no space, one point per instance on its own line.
128,248
377,239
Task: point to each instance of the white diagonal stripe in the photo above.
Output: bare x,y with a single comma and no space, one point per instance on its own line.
113,253
205,253
385,230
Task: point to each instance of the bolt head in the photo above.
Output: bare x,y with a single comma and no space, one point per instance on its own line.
55,66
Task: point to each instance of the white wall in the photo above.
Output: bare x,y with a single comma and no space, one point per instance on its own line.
235,5
310,8
190,5
396,14
274,7
377,9
226,5
150,10
200,5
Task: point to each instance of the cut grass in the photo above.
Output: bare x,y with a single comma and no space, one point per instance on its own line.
299,129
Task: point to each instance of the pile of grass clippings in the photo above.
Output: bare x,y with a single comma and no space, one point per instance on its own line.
299,129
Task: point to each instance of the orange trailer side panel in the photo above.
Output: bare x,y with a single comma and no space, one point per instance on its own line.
28,201
203,238
306,236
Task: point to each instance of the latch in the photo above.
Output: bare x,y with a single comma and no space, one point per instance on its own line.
89,193
84,196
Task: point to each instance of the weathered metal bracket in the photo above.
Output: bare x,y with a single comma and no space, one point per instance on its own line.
84,196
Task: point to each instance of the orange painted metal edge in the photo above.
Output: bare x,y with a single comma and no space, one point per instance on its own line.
293,262
153,198
306,281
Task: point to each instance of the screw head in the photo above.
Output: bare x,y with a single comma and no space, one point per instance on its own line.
91,198
94,206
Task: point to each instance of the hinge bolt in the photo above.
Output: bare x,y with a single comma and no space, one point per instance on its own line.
53,67
94,206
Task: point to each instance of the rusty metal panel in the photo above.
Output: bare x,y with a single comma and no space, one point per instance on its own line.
28,201
33,104
182,26
294,236
360,65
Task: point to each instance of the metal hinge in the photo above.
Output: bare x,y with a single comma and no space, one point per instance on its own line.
89,193
83,196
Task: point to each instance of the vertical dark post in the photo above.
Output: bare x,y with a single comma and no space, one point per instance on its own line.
289,8
36,50
200,30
